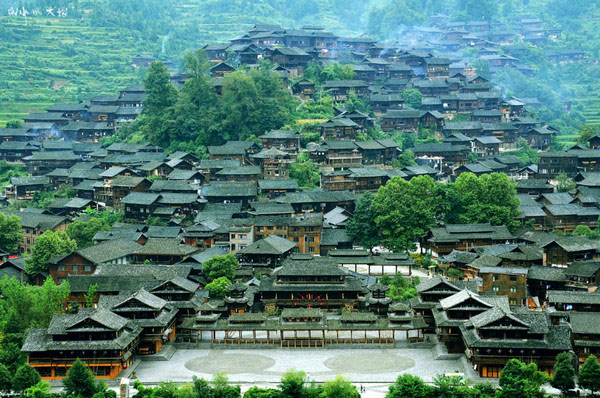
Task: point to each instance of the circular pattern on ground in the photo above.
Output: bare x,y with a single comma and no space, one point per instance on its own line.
237,363
369,363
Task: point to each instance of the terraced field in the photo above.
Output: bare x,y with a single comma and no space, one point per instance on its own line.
61,60
591,110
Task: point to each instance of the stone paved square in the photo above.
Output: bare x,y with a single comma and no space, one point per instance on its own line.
268,365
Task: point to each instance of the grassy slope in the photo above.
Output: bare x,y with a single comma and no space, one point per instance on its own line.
67,60
38,71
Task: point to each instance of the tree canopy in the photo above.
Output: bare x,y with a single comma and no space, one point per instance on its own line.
589,375
252,102
564,373
220,266
361,228
80,381
520,380
217,288
25,377
48,244
83,232
405,211
10,232
408,386
487,198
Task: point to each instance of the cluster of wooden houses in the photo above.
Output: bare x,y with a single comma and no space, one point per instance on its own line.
300,282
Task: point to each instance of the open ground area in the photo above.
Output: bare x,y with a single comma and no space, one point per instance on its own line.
267,366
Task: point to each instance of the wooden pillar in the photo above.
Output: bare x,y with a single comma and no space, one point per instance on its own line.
337,336
268,337
351,342
323,341
295,338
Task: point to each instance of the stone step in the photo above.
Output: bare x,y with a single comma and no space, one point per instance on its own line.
440,353
164,354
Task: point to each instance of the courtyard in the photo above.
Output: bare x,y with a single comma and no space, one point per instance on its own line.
266,366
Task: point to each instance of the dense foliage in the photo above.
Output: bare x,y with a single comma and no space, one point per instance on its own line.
24,306
83,232
404,211
220,266
253,102
361,228
10,232
48,244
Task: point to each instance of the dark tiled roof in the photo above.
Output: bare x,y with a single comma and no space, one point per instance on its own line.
573,297
271,245
551,274
585,322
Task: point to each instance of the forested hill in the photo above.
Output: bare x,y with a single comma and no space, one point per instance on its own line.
51,58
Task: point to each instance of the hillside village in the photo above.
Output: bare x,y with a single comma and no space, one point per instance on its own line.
295,276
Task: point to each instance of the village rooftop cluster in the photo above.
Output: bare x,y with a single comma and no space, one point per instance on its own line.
301,281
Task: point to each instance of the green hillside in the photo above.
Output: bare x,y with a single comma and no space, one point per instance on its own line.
60,60
49,59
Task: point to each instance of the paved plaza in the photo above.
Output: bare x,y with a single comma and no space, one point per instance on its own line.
267,366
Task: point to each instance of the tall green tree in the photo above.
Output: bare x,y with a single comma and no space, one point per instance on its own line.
220,266
292,384
48,244
408,386
585,133
482,67
362,228
80,381
217,288
222,388
412,97
565,183
405,211
489,198
83,232
90,296
589,375
161,93
339,388
519,380
10,232
201,388
305,172
564,373
12,357
5,379
48,299
25,377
